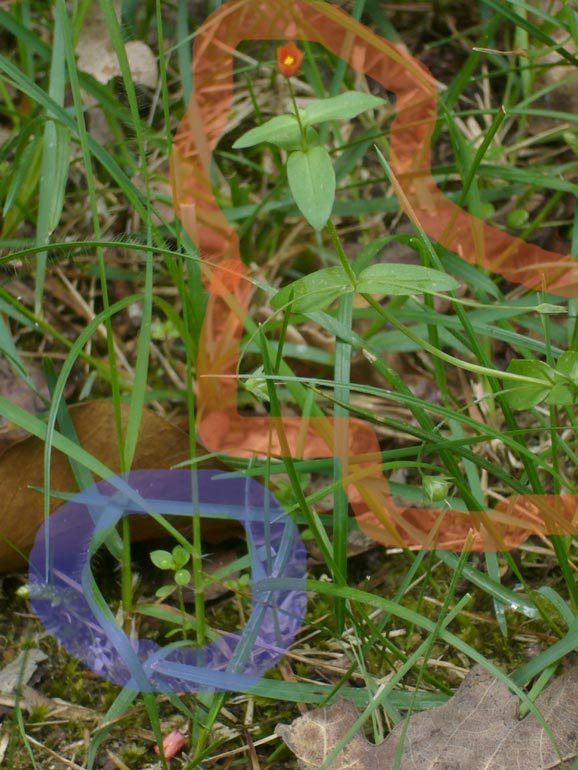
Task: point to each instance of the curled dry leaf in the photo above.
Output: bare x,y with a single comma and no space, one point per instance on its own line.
20,670
477,729
96,55
34,399
15,388
160,445
14,679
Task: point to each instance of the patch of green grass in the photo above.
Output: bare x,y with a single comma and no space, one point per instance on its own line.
99,279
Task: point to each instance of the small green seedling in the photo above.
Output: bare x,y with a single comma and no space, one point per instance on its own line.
309,168
311,179
175,561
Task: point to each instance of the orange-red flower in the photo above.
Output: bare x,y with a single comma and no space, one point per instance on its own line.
289,59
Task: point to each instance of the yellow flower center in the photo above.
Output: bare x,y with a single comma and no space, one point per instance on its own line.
288,60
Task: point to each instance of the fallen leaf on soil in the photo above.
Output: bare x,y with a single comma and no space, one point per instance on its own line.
160,445
14,387
477,729
554,72
97,57
20,670
14,678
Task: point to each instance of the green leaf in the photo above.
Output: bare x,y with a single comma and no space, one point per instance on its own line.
548,309
164,591
24,179
341,107
278,130
312,183
400,279
180,556
526,395
539,370
55,162
368,253
257,385
561,395
567,365
486,210
182,577
294,143
517,218
315,291
162,559
283,130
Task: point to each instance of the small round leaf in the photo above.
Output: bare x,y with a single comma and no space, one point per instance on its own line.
164,591
182,577
162,559
180,556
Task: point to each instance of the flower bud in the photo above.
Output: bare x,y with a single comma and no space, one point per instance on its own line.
436,488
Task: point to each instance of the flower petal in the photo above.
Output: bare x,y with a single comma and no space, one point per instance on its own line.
289,58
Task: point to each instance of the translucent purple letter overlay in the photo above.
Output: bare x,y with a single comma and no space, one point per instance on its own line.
71,607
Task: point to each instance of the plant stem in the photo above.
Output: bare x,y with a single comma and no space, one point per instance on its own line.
183,611
483,370
301,126
340,253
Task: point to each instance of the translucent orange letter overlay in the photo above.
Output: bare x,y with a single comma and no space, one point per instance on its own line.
220,425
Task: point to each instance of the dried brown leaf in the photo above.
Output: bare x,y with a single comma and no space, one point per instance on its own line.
477,729
20,670
160,445
15,388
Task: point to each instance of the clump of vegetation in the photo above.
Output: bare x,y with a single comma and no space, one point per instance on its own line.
458,545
